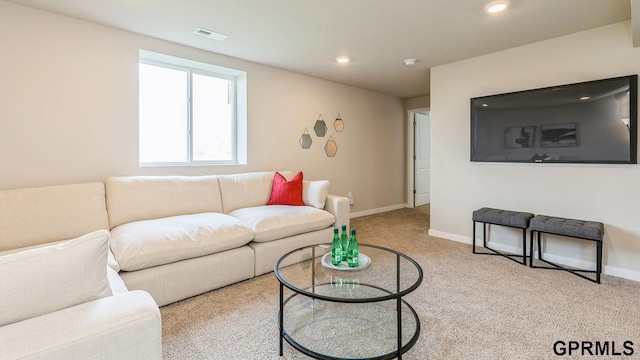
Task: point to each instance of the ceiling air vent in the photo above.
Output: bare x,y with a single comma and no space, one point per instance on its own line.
210,34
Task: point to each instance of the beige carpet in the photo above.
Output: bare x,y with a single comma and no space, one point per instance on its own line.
470,306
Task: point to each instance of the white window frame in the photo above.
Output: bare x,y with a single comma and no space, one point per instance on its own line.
237,96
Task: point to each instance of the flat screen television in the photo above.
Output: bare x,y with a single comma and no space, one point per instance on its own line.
588,122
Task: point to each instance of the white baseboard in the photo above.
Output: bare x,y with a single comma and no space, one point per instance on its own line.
454,237
608,270
621,273
376,211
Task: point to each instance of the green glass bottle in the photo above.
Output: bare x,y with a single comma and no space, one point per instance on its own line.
353,251
344,240
336,249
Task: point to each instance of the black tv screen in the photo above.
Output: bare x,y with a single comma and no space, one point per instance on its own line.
588,122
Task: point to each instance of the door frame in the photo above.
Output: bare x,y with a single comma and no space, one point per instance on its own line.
410,151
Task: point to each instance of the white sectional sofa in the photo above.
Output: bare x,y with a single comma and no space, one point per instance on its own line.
149,241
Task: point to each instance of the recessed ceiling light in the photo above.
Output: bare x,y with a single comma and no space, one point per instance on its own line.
496,6
210,34
409,62
342,59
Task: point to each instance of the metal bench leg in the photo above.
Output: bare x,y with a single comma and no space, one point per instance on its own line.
524,247
474,238
539,246
531,249
484,234
598,260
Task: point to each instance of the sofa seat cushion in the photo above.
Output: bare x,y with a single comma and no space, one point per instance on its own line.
143,244
116,283
274,222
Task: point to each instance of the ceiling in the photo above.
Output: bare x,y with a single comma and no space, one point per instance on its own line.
305,36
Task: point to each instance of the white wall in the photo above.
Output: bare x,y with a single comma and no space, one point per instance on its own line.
606,193
69,113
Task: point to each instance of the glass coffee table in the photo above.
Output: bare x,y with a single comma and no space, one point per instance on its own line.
339,312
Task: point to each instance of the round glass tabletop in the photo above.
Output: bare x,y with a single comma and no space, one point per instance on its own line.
387,274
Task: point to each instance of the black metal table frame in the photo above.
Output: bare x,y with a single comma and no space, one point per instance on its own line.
392,296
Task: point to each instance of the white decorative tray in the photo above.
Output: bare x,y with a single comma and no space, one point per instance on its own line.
363,262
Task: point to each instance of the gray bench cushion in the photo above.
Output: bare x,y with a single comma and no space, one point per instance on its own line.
568,227
503,217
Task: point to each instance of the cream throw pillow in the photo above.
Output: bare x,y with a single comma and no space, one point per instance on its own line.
49,278
314,193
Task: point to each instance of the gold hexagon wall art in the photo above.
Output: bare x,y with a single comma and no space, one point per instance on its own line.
320,127
305,139
331,148
338,124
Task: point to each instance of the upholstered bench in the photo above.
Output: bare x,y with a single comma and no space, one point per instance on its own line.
579,229
508,218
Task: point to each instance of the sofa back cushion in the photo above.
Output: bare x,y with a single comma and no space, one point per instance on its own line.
49,278
36,216
247,190
135,198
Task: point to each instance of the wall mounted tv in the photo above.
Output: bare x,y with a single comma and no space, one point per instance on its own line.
588,122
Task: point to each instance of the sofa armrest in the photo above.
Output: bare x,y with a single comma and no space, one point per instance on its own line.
339,207
123,326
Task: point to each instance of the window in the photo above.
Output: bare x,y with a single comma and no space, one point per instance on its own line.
190,113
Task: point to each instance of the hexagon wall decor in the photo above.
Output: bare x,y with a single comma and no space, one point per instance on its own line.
320,127
338,124
331,148
305,139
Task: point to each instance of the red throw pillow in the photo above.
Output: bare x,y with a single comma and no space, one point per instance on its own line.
285,192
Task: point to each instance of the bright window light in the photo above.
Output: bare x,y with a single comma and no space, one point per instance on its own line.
163,115
212,119
188,116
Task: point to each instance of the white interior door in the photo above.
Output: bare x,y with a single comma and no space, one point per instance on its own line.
422,159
